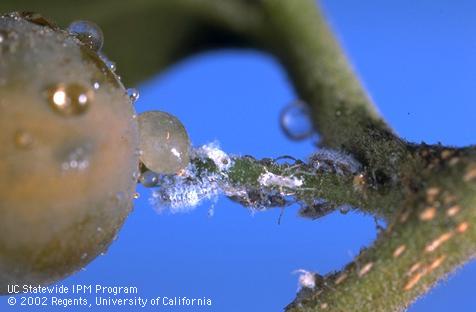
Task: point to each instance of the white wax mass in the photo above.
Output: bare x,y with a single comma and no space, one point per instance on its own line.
164,142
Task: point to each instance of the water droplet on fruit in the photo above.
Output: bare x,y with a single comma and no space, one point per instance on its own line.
135,176
88,33
77,159
133,94
295,121
112,66
109,64
149,179
23,139
70,99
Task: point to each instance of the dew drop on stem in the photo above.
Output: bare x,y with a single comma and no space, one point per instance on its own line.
295,121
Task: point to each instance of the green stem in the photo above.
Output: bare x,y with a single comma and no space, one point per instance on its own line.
342,112
433,233
304,183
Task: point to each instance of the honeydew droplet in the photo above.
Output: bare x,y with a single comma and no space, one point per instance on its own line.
295,121
133,94
88,33
164,142
70,99
149,179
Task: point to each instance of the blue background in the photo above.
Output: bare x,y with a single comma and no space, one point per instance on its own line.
418,61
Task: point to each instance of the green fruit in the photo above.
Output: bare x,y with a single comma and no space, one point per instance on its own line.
68,142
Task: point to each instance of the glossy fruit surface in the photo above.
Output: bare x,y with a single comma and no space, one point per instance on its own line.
68,138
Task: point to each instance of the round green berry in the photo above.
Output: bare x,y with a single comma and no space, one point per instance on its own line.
67,161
